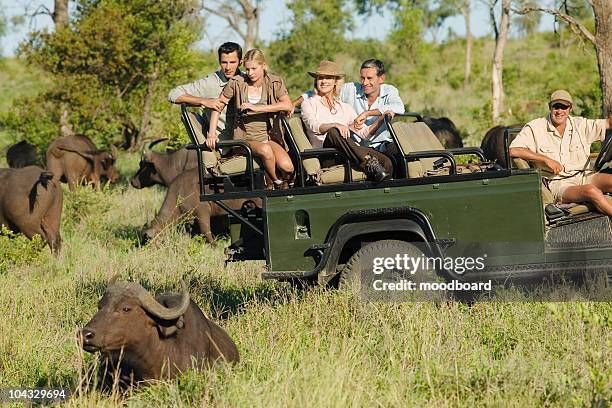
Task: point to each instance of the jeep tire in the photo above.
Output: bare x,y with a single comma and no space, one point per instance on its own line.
359,268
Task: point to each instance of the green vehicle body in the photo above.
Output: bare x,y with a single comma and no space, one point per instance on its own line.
310,232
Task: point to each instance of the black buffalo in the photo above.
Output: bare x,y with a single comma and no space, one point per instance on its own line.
142,338
183,198
21,154
75,159
162,168
31,203
446,131
493,143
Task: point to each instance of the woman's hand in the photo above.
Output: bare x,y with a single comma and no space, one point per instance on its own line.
343,129
211,140
249,106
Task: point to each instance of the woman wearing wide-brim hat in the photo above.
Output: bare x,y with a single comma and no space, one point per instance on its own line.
330,122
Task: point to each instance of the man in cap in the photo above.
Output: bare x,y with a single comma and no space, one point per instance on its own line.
561,144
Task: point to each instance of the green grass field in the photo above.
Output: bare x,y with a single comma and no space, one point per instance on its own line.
319,347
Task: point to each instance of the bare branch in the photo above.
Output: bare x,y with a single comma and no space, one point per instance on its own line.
576,26
231,20
41,10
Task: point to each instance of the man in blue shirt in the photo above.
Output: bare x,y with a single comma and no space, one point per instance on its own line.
370,98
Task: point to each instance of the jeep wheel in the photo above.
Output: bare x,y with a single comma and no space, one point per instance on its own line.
360,277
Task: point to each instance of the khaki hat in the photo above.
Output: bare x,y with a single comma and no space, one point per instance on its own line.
327,68
561,95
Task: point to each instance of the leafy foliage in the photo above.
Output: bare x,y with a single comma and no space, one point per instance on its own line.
317,22
112,67
17,249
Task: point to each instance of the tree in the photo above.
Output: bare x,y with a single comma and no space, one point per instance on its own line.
526,24
60,13
241,15
501,35
432,13
601,39
465,8
109,66
317,33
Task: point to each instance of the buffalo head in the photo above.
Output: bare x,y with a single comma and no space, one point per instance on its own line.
147,174
127,316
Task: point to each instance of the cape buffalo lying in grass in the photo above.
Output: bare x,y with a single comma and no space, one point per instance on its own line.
141,337
76,158
160,168
182,198
21,154
31,203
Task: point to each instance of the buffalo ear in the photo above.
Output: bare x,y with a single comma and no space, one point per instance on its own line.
114,152
167,331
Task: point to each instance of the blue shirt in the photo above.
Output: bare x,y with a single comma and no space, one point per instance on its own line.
388,100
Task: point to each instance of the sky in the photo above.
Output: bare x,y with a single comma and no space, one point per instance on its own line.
275,19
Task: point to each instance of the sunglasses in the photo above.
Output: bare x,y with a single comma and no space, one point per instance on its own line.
560,106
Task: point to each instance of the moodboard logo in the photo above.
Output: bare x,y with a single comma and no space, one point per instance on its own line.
504,271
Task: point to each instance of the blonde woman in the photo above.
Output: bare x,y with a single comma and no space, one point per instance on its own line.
330,123
258,98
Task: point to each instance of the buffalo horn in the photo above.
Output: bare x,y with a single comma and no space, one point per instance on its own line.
113,279
158,310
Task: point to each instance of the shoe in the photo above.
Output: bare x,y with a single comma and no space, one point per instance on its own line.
279,184
374,170
269,184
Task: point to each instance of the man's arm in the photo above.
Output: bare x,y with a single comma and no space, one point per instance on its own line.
198,93
211,103
539,159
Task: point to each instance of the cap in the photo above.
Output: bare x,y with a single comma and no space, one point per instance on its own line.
561,95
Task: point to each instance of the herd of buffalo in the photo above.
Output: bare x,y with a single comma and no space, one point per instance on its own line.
140,337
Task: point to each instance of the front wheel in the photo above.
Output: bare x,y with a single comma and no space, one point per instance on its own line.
391,270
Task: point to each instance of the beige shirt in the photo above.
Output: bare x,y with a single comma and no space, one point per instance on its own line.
253,125
208,87
572,149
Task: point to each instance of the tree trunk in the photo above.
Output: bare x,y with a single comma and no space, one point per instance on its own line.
145,122
60,13
251,17
497,81
603,46
469,44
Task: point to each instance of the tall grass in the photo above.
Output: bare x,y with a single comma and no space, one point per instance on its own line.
318,347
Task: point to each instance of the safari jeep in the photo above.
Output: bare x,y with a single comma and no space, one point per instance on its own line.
333,224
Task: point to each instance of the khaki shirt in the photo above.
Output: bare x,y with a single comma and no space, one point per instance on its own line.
572,150
208,87
236,91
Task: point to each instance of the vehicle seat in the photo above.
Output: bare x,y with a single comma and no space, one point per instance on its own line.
218,166
312,166
418,137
